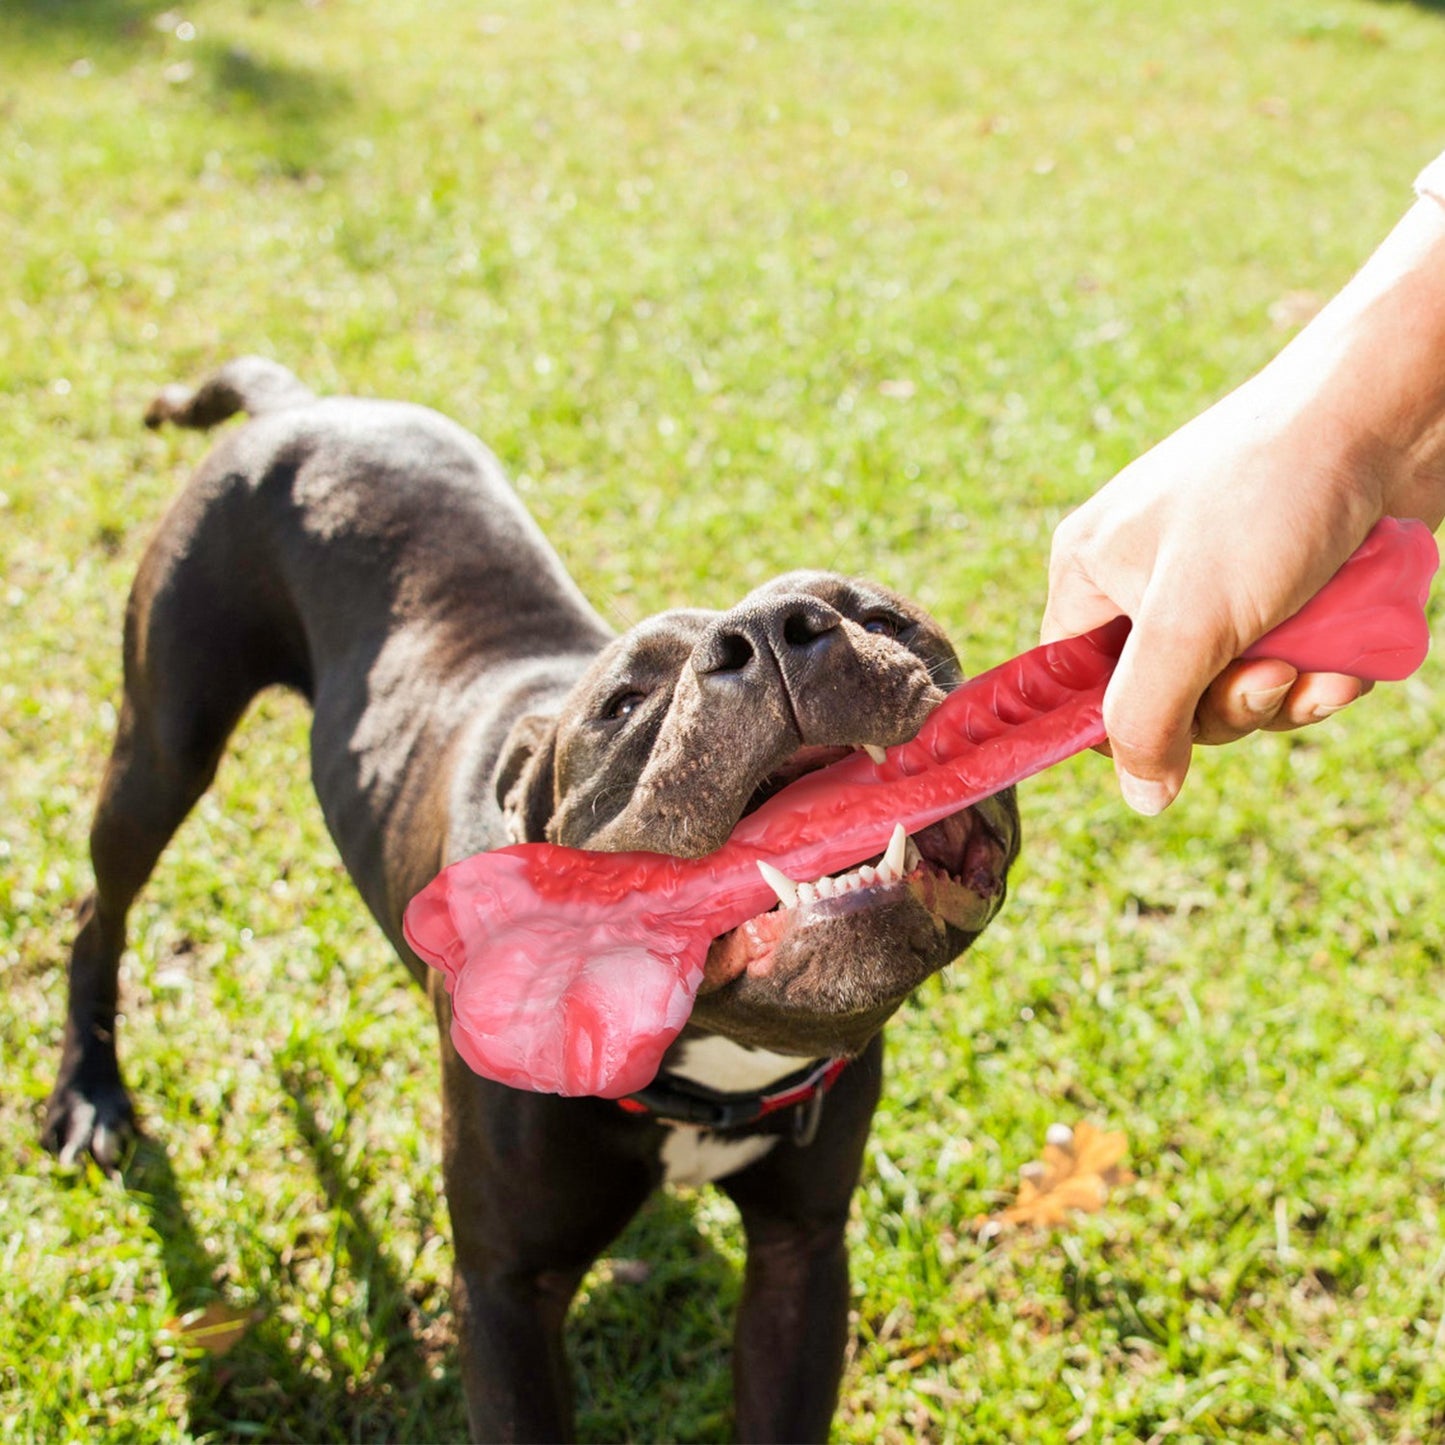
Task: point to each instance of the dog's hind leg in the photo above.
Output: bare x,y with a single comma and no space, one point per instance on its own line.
192,664
143,799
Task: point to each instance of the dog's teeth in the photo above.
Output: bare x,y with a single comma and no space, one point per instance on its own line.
780,883
879,755
892,863
900,858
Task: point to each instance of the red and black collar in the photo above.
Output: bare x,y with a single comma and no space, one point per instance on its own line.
675,1099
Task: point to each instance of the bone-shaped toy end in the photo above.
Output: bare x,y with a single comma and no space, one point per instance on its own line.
578,998
1368,620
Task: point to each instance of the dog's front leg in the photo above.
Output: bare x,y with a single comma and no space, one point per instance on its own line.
537,1187
791,1329
525,1236
514,1369
792,1324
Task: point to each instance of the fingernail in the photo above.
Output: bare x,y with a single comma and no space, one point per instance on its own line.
1145,795
1267,699
1324,710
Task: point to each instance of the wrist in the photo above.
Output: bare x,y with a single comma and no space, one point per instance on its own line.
1369,371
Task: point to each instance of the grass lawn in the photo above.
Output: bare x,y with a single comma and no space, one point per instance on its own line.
730,288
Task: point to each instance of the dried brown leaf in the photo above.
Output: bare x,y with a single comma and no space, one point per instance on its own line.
1077,1171
217,1328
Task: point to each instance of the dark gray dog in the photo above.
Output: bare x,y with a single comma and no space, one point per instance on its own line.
370,555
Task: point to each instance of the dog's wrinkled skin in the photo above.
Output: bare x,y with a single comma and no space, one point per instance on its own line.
465,696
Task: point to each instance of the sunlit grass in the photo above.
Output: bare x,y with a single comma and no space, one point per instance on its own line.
730,288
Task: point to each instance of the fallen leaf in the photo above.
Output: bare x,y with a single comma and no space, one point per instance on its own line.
217,1329
1077,1171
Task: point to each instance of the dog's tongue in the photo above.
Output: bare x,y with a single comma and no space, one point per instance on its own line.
571,972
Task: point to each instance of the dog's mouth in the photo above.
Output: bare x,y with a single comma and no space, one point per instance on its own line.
954,869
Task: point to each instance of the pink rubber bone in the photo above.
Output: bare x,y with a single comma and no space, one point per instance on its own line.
572,971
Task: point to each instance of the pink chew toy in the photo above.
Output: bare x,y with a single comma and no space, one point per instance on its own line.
572,971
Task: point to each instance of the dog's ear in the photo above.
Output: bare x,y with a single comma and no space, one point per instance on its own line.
526,778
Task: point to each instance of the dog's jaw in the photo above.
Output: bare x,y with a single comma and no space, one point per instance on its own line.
827,966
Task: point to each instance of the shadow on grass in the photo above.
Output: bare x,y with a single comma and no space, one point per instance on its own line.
287,109
650,1346
103,24
281,111
651,1349
286,1379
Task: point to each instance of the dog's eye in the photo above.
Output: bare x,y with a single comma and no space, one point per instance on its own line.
623,705
883,623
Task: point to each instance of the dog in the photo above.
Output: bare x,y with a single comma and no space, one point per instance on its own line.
465,695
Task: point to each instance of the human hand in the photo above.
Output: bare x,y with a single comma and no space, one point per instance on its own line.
1207,542
1231,524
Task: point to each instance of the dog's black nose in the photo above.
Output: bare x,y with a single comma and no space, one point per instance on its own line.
792,629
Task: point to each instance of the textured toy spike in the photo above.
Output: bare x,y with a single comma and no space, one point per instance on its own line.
571,971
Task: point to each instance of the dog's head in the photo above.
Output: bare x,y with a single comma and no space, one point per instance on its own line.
692,719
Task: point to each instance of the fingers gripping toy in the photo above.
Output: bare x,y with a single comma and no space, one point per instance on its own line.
572,971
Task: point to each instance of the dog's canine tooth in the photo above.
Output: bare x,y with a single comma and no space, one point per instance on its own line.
897,851
780,883
879,755
900,858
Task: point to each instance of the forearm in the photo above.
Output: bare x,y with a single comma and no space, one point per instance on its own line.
1370,367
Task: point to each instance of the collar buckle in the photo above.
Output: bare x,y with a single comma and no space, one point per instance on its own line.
807,1115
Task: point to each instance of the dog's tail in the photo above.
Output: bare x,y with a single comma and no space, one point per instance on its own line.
249,383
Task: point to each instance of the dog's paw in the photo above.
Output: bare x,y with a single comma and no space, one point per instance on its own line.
96,1120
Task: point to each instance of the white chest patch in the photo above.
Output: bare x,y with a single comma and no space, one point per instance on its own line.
694,1156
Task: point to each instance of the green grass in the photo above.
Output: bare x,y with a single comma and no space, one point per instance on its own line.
730,288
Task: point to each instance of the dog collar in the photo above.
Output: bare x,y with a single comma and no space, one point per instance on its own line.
673,1099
